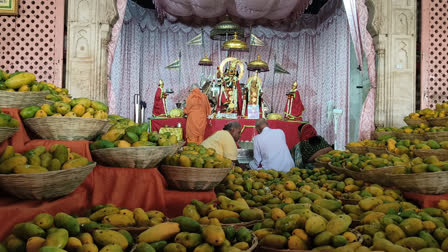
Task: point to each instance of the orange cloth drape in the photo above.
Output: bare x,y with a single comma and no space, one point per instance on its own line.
197,109
124,187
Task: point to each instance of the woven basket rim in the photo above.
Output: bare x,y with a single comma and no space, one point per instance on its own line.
416,174
192,168
46,173
430,150
414,120
24,93
133,148
31,120
438,119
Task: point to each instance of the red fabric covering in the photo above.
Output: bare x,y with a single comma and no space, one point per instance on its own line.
425,200
159,108
125,187
294,106
307,132
289,128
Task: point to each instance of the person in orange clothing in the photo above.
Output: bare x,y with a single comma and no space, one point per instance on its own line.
197,110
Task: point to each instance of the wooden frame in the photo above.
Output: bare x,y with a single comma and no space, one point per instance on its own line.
9,7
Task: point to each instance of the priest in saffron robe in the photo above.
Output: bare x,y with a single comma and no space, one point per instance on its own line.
197,110
294,107
159,108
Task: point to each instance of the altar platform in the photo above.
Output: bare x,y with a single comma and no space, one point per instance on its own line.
248,132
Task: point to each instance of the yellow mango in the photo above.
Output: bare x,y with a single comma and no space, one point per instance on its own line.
70,114
191,211
7,153
141,217
87,115
161,232
73,244
79,162
79,110
86,238
277,213
222,214
118,220
27,169
113,135
296,243
34,244
214,235
106,237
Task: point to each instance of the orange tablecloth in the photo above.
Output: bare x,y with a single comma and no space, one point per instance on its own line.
425,200
290,128
124,187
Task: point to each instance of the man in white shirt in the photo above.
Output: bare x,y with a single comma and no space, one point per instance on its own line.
270,149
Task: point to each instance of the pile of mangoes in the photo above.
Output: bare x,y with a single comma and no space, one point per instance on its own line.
198,156
63,232
26,82
38,160
222,210
7,121
126,133
389,129
370,161
78,107
427,113
111,216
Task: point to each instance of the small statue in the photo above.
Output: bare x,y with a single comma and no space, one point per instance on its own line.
255,93
159,108
294,107
230,97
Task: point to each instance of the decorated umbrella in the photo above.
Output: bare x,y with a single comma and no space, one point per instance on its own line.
258,65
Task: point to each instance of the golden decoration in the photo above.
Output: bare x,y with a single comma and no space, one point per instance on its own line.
255,77
258,65
235,45
230,59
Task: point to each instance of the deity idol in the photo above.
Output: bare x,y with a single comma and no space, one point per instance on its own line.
254,93
159,108
230,96
294,106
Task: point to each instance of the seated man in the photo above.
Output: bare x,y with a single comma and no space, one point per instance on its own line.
224,141
270,149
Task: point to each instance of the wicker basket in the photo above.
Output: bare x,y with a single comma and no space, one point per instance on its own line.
377,150
378,134
6,132
135,157
46,185
21,99
193,179
357,149
336,169
440,121
378,175
414,122
425,183
441,154
411,136
437,136
319,164
354,174
266,249
66,128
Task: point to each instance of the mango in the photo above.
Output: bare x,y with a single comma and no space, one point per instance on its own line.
221,214
187,224
112,248
88,247
101,213
296,243
394,233
188,240
160,232
174,247
51,249
44,220
34,244
315,224
274,241
19,80
119,220
205,247
8,165
339,224
107,237
368,204
322,239
414,243
411,226
190,211
252,214
144,247
63,220
244,235
75,163
27,230
58,238
214,235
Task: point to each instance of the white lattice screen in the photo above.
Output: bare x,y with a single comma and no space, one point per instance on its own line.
33,40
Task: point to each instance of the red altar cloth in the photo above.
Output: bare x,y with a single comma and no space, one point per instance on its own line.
425,200
290,128
124,187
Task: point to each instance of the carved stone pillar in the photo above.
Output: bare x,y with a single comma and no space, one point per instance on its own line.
89,24
393,27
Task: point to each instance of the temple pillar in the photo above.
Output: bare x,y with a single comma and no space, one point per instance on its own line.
89,26
393,26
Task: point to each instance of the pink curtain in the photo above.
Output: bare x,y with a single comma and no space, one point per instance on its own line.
367,124
316,53
352,17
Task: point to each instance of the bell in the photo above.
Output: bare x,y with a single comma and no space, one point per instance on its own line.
258,65
235,45
205,61
223,29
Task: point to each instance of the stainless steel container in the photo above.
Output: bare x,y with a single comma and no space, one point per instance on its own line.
245,156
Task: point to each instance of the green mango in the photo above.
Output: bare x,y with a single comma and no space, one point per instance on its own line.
29,112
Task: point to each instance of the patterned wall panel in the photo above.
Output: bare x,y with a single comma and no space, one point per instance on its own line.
434,53
33,40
